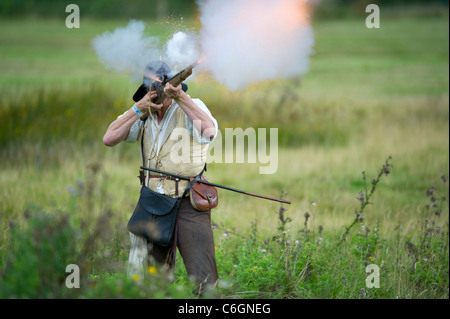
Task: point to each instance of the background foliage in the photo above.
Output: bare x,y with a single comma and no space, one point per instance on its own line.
65,198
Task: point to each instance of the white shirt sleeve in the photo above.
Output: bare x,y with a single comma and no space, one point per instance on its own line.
195,133
134,130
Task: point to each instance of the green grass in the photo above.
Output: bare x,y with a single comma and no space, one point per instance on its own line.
369,94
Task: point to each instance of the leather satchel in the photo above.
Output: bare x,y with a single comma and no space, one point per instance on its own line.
203,197
155,215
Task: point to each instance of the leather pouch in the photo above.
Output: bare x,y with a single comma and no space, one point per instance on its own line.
203,197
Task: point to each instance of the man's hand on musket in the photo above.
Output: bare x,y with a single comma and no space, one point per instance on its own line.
146,102
173,92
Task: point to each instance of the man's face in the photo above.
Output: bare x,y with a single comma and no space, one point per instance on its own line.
167,101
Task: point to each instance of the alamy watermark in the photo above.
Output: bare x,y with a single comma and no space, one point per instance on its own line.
73,19
373,19
373,279
236,145
73,280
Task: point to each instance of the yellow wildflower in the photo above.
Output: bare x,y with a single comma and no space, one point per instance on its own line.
152,270
135,277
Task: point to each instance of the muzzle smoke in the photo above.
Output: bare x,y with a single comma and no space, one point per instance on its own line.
127,49
240,42
254,40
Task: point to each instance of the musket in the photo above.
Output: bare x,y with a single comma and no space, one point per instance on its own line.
159,84
216,185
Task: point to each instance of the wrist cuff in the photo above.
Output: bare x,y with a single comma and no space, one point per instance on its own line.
137,111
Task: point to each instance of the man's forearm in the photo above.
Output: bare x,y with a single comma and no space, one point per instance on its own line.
201,121
119,129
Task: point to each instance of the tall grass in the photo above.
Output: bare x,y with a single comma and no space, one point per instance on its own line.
66,198
289,260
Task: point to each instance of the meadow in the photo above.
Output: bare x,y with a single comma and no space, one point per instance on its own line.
374,104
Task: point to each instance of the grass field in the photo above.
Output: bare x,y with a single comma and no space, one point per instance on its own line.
369,94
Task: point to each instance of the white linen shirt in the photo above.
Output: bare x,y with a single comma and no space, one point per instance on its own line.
168,116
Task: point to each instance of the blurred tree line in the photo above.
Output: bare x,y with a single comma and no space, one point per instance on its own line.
138,9
393,8
161,9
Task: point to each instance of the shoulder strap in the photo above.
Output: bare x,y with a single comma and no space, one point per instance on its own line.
141,172
142,143
188,188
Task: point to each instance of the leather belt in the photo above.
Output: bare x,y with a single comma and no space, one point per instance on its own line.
176,179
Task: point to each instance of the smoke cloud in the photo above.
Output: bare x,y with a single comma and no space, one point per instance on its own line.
127,49
240,42
254,40
182,50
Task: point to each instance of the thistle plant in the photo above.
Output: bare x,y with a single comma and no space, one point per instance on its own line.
437,201
283,220
365,196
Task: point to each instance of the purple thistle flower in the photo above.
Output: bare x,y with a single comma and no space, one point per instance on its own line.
72,190
360,197
444,179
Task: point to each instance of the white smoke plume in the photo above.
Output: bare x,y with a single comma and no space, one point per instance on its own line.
246,41
240,42
127,49
182,50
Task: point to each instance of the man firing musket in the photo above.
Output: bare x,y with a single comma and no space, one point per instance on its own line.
151,121
163,110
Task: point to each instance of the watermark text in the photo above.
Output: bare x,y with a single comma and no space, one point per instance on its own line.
73,19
